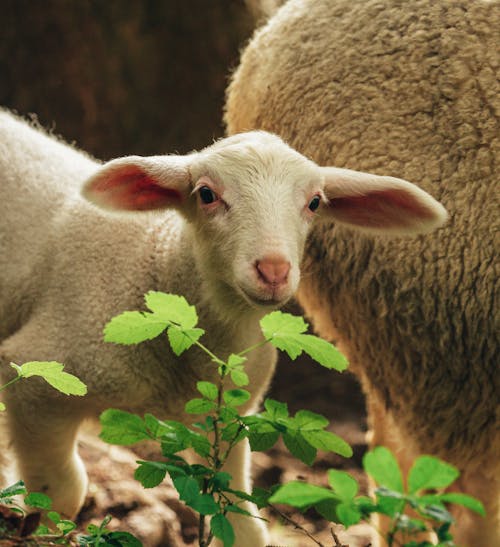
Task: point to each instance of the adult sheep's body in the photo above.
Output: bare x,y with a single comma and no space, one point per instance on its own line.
409,88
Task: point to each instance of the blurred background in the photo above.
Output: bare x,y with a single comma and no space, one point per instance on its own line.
120,77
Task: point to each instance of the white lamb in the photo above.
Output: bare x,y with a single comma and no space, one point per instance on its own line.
228,233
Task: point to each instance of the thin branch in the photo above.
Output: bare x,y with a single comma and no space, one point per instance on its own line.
295,524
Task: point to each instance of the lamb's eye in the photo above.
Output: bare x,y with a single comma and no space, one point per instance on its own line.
314,203
207,195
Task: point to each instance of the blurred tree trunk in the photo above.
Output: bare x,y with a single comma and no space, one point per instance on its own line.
122,76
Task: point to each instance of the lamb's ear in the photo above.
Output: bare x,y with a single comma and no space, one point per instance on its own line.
136,183
380,204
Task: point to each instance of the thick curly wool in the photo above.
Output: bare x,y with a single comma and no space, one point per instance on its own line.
410,89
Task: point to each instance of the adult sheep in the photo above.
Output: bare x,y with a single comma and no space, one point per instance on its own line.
408,88
228,233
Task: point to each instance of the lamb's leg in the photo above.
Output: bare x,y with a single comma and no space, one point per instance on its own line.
384,432
470,529
44,442
249,531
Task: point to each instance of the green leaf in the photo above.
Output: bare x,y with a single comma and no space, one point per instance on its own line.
122,428
278,323
123,539
221,480
307,420
199,406
182,339
222,529
13,490
172,308
324,440
235,361
327,509
429,472
382,466
323,352
236,397
348,514
155,426
208,390
205,505
38,500
275,409
389,502
52,373
239,377
261,441
150,474
299,447
2,406
343,484
66,526
462,499
437,512
187,487
133,327
200,444
301,494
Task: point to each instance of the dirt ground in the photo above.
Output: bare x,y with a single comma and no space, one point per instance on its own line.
157,517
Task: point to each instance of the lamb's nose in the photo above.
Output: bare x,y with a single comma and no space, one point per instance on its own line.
273,269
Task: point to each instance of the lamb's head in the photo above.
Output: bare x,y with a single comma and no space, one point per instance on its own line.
250,201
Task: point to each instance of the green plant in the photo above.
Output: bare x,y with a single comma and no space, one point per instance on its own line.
207,488
22,528
426,478
52,372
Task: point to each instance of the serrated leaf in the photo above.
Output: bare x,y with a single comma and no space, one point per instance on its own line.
307,420
182,339
200,444
299,447
133,327
235,360
38,500
172,308
301,494
382,466
239,377
222,529
343,484
278,323
205,505
208,390
150,474
187,487
429,472
324,440
122,428
275,409
236,397
52,372
323,352
261,441
199,406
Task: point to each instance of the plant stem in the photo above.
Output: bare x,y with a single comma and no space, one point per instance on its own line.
295,524
255,346
13,381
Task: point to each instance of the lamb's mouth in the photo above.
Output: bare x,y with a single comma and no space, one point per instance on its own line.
269,303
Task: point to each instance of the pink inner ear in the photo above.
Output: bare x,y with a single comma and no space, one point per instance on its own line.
392,208
130,188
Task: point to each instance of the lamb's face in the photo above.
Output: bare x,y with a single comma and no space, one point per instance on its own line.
255,201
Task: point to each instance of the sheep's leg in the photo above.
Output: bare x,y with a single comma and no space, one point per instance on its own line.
249,531
44,442
471,529
384,432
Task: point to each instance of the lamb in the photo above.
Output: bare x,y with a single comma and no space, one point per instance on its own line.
225,227
409,88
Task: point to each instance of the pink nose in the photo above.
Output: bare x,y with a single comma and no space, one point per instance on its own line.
273,269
